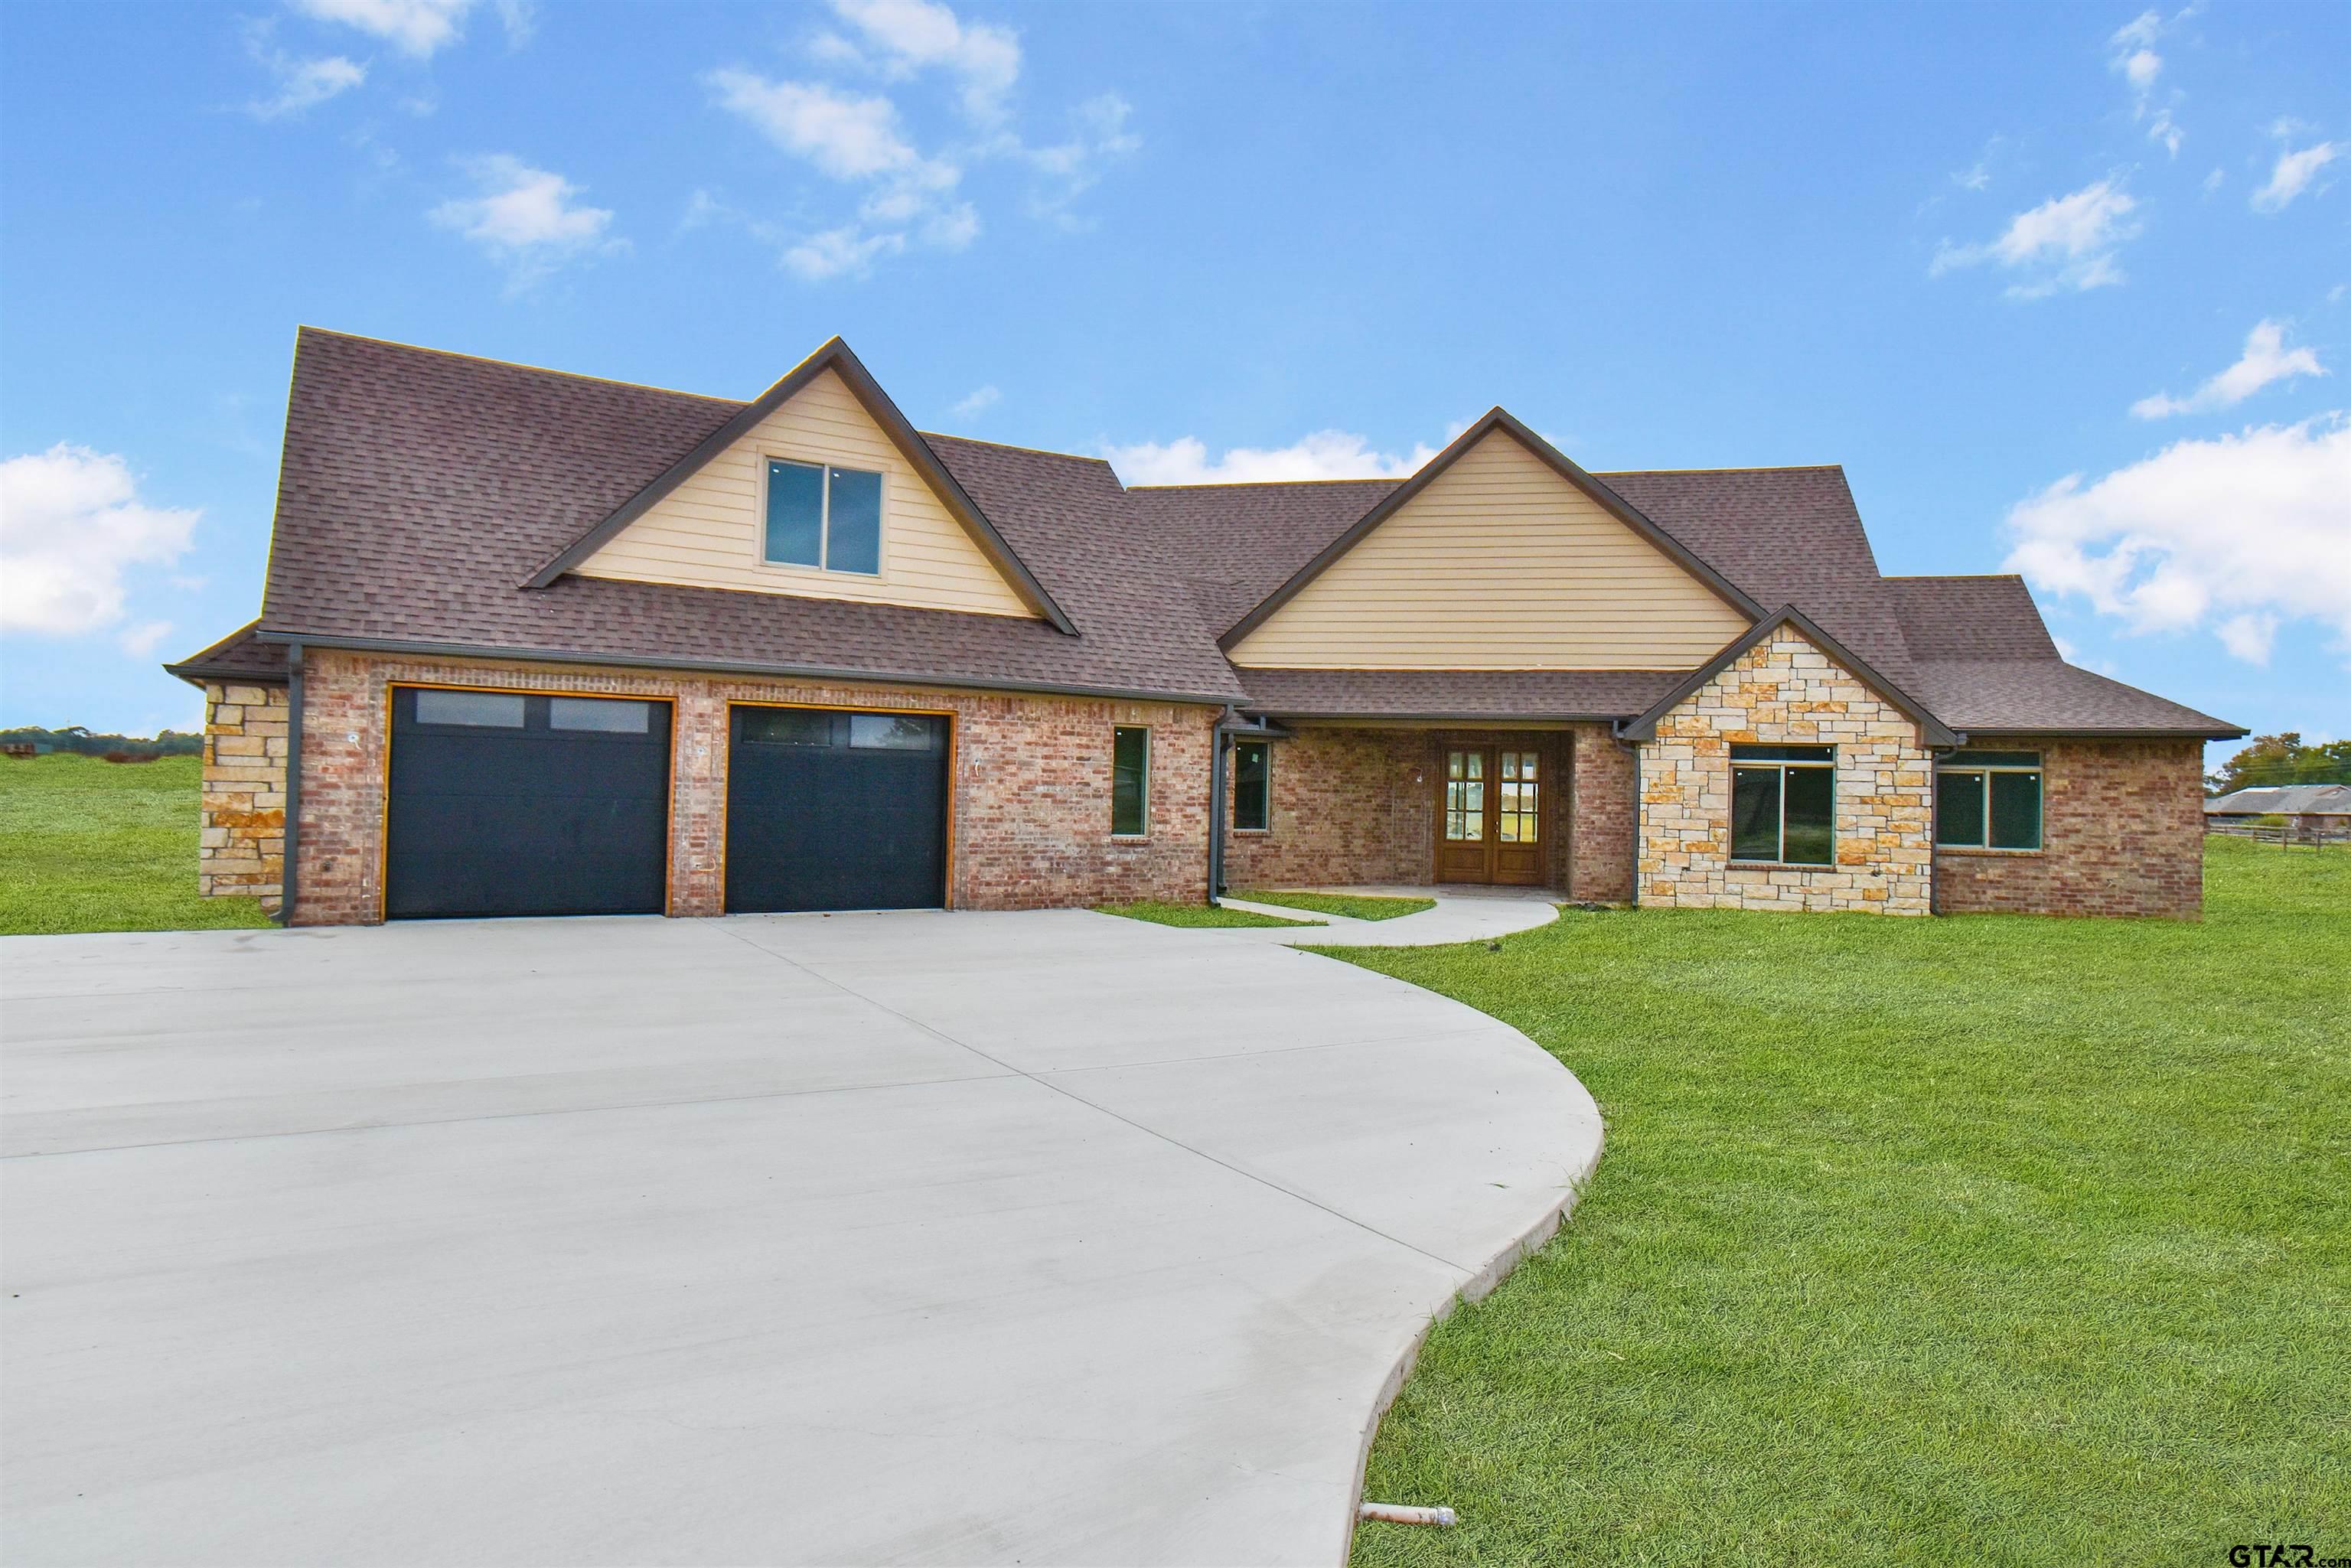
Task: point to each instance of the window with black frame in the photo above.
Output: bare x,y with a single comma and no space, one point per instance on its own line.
1252,786
1130,781
1783,805
1988,800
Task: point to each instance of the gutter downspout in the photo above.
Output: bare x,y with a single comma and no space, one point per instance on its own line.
1220,741
289,875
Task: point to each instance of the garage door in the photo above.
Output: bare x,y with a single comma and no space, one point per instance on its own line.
507,804
836,811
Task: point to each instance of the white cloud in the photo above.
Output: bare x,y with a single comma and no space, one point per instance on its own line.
911,35
1098,134
417,27
1326,455
2266,358
72,524
980,400
839,252
525,218
2252,528
302,84
846,137
2293,175
2214,181
2249,637
857,136
2066,241
139,641
2131,53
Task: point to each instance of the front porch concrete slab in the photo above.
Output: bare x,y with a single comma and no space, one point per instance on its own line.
1473,914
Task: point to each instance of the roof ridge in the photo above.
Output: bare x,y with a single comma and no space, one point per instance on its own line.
512,364
1260,484
1761,468
1011,447
1954,577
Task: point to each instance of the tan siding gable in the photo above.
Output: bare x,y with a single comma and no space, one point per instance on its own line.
707,532
1499,564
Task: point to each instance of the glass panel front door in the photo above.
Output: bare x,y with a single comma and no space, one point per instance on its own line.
1489,812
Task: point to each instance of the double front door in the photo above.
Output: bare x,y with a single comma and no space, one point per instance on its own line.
1490,816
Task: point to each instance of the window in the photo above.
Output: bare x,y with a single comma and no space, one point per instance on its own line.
602,713
1130,781
1252,786
1782,804
823,516
1464,796
1520,814
1989,800
893,732
488,710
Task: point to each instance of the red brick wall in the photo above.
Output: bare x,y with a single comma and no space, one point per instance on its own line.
2122,834
1353,807
1031,781
1600,837
1350,807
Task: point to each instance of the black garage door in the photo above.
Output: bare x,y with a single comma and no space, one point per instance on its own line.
506,804
836,811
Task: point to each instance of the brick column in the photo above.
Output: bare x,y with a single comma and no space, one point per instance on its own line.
698,878
1600,868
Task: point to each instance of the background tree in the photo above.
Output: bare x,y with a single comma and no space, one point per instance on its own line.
2283,758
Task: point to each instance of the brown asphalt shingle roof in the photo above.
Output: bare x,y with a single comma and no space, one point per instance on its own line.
239,657
419,488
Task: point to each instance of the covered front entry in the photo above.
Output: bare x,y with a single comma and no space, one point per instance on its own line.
1489,815
827,809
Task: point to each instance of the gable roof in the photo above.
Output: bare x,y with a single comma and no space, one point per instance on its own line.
419,489
1932,730
833,356
1496,422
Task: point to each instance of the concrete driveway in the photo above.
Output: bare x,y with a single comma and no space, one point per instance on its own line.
912,1238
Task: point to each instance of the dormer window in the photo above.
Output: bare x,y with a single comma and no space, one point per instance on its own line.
823,516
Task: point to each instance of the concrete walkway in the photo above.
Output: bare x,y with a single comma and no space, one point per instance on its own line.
1046,1238
1460,916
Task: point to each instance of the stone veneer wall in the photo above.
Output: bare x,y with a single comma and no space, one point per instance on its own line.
1031,783
1356,806
2122,833
1786,691
241,839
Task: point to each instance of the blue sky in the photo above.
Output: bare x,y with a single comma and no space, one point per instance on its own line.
2067,290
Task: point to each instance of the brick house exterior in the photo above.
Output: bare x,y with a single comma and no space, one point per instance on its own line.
1503,668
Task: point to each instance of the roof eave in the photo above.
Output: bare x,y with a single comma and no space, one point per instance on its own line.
848,674
833,356
1496,419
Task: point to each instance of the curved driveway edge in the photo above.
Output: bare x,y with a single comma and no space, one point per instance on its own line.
1050,1238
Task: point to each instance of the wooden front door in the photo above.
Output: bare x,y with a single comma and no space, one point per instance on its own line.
1489,815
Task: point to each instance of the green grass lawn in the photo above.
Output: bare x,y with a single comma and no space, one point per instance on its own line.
1163,913
89,845
1354,906
1985,1241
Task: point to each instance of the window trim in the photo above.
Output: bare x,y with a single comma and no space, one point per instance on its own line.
1266,826
1143,833
881,572
1949,763
1781,765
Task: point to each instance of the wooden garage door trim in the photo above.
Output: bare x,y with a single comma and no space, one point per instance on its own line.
955,761
383,816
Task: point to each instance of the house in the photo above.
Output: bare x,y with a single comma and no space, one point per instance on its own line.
2311,809
543,644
